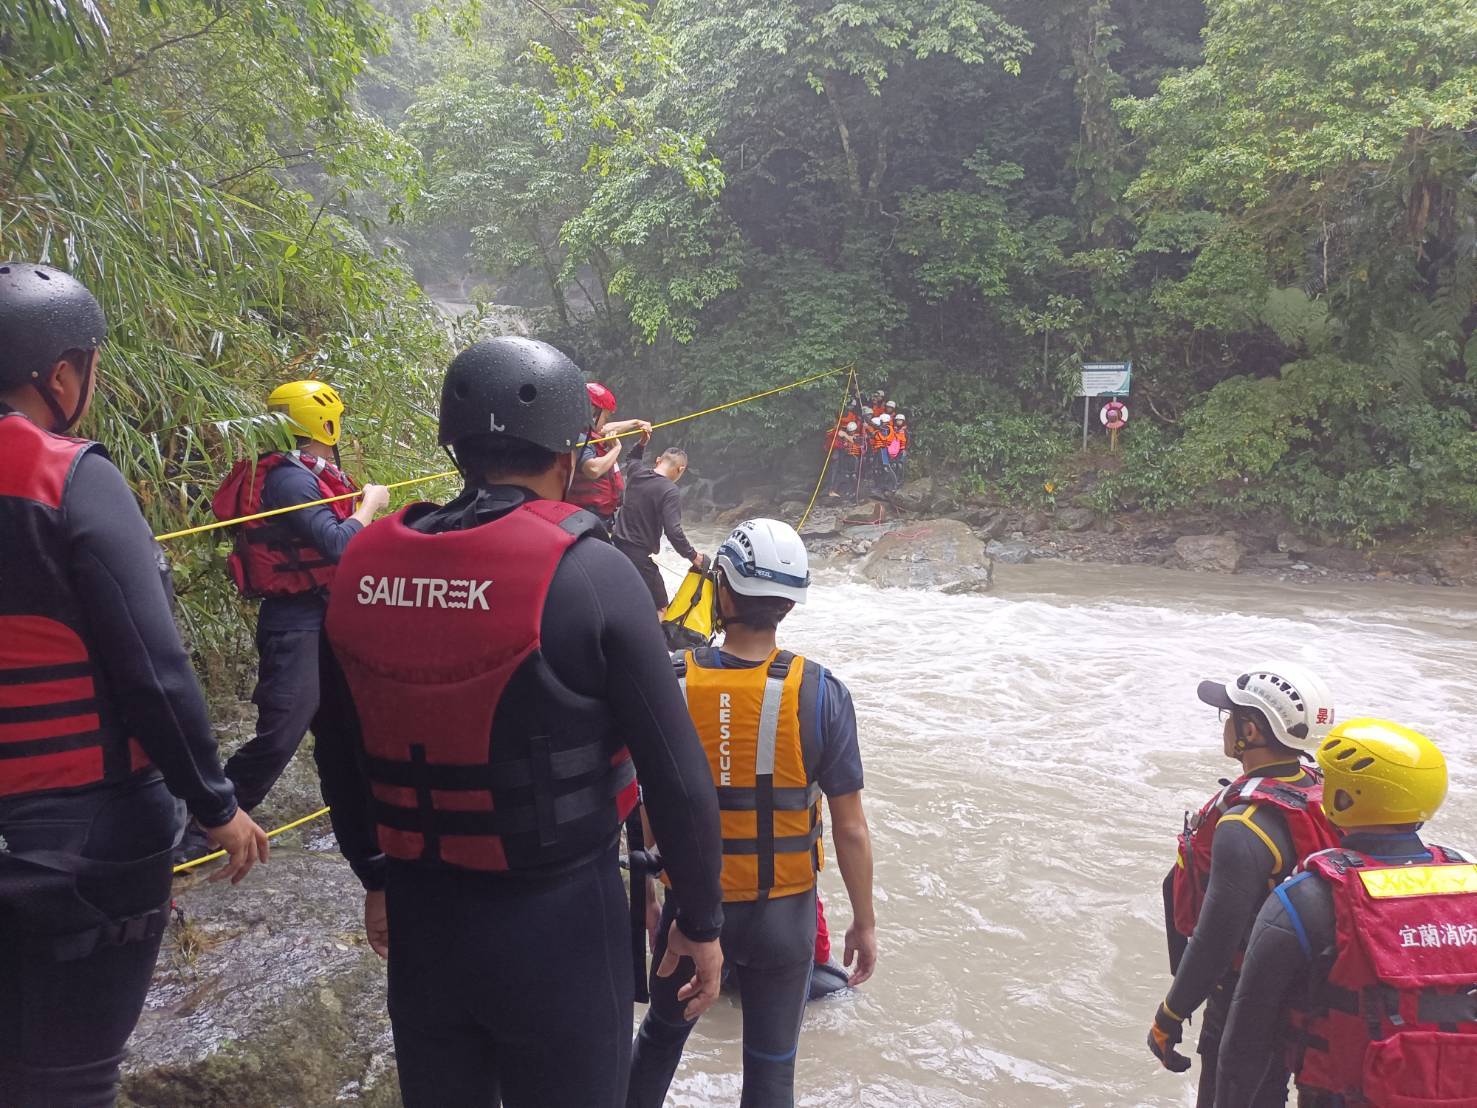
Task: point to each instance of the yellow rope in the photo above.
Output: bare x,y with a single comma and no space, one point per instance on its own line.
167,536
193,862
825,465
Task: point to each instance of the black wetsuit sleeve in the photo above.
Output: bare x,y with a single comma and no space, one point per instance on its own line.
600,637
841,755
290,484
672,522
1241,868
1276,973
337,741
118,572
1176,941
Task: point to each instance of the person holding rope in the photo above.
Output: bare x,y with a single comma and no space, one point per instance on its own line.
495,675
102,724
780,732
287,562
653,508
598,485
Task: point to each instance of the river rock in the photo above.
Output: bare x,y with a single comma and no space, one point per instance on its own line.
1339,558
941,554
749,509
993,527
1075,519
1221,553
1034,521
267,995
915,496
1456,560
1290,542
1011,552
823,523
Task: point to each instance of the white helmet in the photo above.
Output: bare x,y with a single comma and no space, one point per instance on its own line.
1296,703
884,418
764,557
891,404
851,426
901,418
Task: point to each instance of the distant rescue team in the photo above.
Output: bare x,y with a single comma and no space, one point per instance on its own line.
494,707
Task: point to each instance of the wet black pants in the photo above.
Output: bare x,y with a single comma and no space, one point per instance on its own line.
651,575
510,986
286,700
64,1023
1273,1090
768,951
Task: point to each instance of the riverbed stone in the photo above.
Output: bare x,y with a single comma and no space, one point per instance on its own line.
915,496
822,523
940,554
1290,542
1074,519
266,995
1010,552
751,508
1221,553
1339,558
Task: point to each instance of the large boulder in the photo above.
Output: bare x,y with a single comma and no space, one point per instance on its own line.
1010,552
941,554
1221,553
1075,519
752,507
915,496
266,995
1339,558
822,523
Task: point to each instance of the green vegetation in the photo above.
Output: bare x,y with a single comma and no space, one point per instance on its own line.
1269,207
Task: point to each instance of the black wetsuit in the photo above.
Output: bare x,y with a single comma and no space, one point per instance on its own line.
652,507
1280,969
287,632
521,985
1243,872
64,1018
768,946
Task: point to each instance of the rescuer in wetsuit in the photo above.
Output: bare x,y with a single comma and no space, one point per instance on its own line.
653,508
1246,839
494,672
780,732
102,723
1389,1018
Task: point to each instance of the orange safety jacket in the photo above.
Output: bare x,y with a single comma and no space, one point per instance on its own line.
765,764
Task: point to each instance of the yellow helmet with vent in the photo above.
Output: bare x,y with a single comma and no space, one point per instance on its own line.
312,407
1378,773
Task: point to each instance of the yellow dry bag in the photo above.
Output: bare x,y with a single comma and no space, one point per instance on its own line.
690,618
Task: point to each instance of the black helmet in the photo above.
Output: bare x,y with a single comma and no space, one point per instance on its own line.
43,314
516,387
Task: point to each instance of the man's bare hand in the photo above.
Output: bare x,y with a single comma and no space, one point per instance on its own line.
244,842
707,960
861,947
376,499
377,922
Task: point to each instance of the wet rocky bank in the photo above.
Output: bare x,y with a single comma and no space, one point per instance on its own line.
933,518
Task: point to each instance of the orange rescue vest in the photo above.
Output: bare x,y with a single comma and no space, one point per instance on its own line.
768,798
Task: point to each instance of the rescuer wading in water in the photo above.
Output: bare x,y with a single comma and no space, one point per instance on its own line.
494,671
102,723
1243,842
779,731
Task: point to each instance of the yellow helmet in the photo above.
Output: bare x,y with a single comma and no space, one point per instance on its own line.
1378,773
312,407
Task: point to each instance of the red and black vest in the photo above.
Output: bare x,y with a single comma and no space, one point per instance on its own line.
478,756
601,495
57,727
1302,811
1395,1024
270,559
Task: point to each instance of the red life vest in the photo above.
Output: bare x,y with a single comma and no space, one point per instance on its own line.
1396,1022
601,495
58,727
478,756
270,559
1301,810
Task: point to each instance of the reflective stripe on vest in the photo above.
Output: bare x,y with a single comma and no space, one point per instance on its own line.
478,756
55,729
1395,1023
1301,810
769,808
